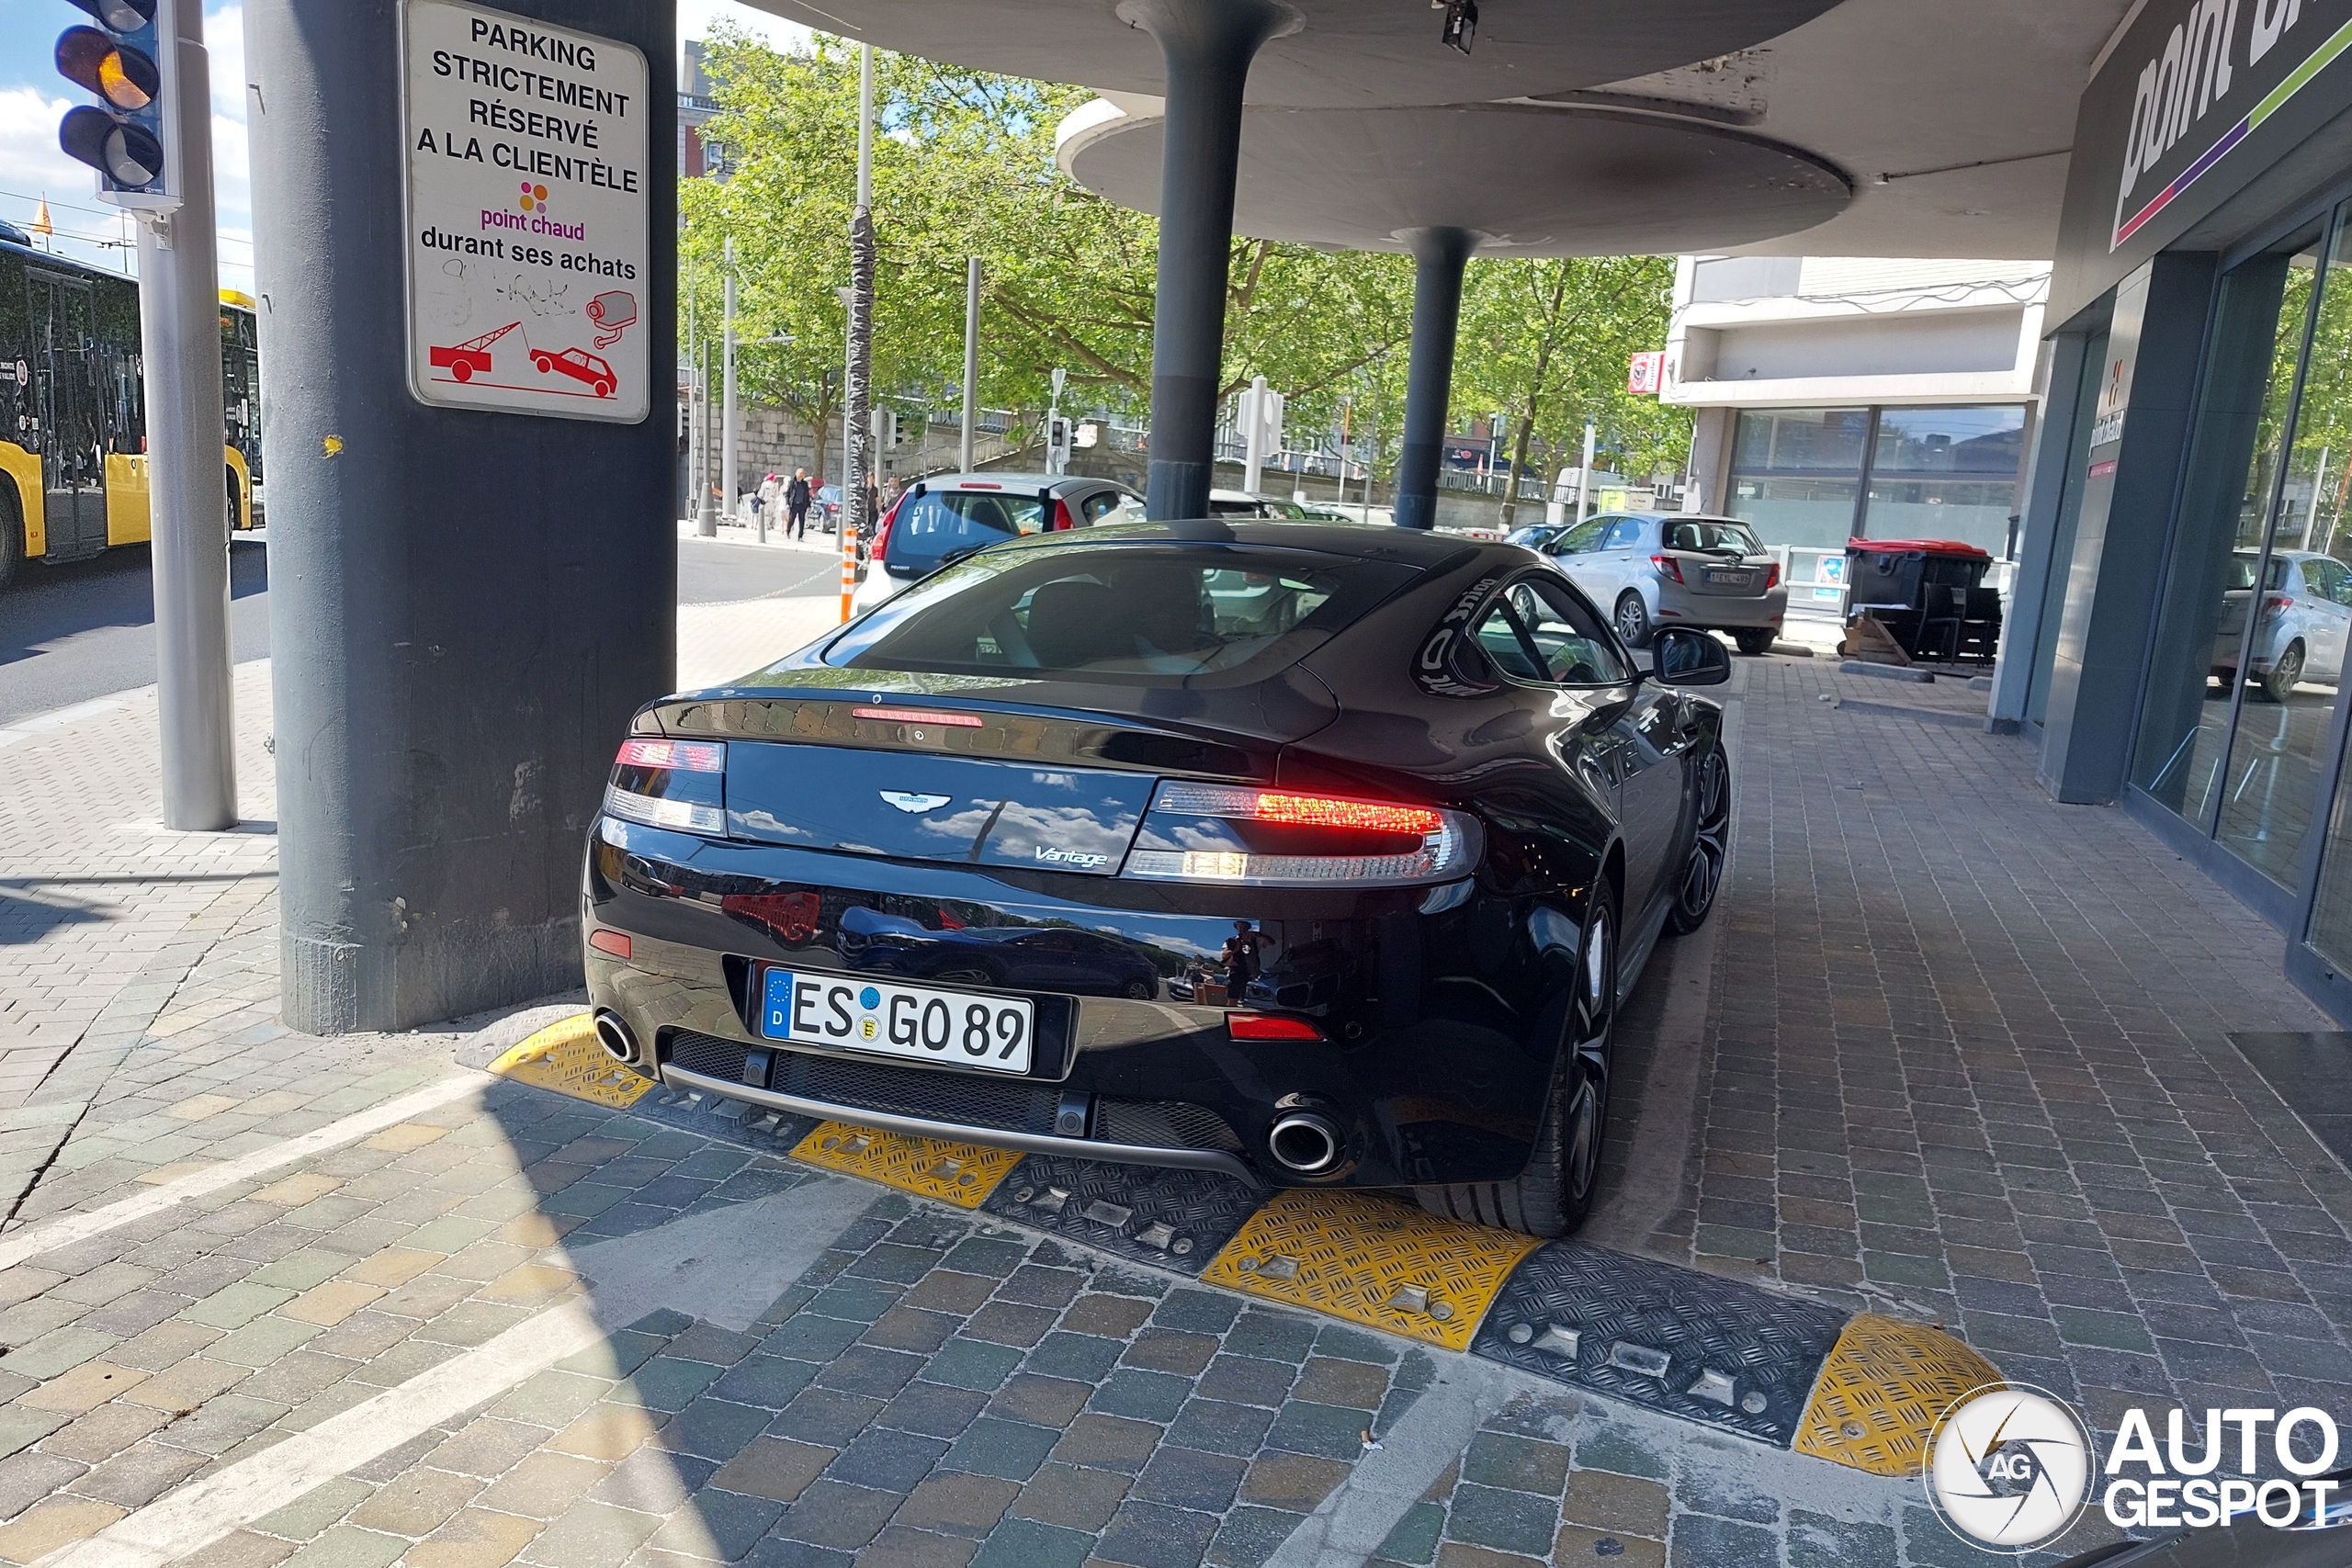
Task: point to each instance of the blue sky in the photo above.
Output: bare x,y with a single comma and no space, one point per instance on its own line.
33,98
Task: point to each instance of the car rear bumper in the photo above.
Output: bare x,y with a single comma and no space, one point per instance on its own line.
1432,1066
1678,605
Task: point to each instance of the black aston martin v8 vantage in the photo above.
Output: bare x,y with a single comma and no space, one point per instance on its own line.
1314,854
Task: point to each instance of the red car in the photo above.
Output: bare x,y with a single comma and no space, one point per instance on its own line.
580,364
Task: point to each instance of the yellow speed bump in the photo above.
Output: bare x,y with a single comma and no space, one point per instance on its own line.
565,1057
1373,1259
1881,1391
961,1174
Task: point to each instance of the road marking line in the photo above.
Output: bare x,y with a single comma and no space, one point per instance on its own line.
67,1229
1355,1519
725,1266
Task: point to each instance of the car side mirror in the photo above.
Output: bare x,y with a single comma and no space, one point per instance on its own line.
1687,658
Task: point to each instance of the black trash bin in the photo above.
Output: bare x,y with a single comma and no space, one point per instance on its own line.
1920,590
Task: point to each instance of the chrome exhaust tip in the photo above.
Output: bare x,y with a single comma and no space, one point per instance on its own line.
1304,1142
614,1035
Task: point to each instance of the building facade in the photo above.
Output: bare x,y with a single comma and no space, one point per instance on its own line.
2179,635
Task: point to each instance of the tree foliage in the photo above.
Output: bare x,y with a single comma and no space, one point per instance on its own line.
964,165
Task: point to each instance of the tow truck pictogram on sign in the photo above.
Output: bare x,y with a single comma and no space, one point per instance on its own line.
462,360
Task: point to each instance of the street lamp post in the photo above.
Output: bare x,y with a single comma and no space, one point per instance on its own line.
728,434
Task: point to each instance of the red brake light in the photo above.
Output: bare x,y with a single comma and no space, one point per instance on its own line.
1269,1026
1667,567
882,531
2276,605
1772,577
1322,811
615,942
919,715
1062,518
691,756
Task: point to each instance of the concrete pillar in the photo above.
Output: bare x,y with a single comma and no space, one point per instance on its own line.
465,606
2060,437
1207,46
1439,257
2134,457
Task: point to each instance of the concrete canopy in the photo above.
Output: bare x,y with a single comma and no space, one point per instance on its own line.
1336,54
1523,179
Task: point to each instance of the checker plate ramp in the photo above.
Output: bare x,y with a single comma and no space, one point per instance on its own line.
565,1057
1882,1392
1674,1340
961,1174
733,1122
1372,1259
1166,1217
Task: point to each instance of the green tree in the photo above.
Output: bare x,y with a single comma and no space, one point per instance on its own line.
1546,342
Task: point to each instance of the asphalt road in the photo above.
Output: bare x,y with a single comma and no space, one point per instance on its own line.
72,633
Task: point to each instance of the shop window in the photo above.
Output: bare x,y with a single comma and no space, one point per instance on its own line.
1946,473
2077,473
2242,678
1795,473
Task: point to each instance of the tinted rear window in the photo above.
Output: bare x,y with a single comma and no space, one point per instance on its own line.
1714,536
937,521
1148,615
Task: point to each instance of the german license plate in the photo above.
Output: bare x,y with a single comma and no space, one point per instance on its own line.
885,1017
1732,579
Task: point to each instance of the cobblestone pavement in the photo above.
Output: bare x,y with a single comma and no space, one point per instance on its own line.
266,1298
1969,1060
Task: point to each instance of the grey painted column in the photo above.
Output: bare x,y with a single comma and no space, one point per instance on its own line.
464,607
1439,256
2135,469
1207,45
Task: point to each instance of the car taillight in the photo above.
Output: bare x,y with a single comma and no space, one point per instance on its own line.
882,530
1667,567
1199,832
1269,1026
2276,605
669,784
1062,518
1772,576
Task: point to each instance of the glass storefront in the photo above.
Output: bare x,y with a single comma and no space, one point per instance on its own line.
2251,638
1795,472
1818,477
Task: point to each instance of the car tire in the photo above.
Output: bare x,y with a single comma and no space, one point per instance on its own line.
1632,620
1702,869
1138,990
2285,672
1754,642
1553,1194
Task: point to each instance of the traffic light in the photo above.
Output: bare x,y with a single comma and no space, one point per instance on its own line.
124,63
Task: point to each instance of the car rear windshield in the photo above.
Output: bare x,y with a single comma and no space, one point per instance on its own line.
1147,614
1715,539
2242,573
939,520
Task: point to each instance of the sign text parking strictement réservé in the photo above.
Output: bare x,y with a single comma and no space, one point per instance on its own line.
527,227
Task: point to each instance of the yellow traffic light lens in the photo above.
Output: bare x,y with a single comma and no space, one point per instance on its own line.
125,77
116,86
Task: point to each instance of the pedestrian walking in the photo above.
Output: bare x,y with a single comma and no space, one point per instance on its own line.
796,504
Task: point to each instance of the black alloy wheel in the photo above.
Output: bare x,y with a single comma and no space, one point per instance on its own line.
1754,641
1703,870
2280,683
1554,1193
1633,620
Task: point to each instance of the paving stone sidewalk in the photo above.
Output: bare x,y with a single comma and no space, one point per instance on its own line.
1969,1062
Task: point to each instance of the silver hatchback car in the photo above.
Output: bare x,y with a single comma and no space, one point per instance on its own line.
1652,569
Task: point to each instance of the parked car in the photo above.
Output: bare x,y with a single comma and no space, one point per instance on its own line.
1404,964
1025,958
1533,536
1652,569
1242,504
943,519
825,506
2301,631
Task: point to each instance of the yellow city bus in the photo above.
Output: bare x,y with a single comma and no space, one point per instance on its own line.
73,409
